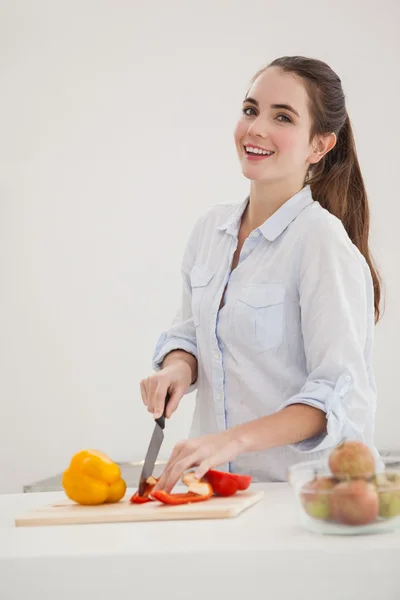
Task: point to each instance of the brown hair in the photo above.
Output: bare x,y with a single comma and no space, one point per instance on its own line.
336,181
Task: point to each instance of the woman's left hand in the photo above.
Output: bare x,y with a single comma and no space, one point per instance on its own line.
204,453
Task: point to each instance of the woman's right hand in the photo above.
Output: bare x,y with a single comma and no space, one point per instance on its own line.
174,378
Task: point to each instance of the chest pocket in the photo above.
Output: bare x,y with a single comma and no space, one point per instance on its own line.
200,278
259,316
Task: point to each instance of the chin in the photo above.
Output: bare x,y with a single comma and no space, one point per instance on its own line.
254,175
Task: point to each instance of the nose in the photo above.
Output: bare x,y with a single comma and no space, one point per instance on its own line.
258,128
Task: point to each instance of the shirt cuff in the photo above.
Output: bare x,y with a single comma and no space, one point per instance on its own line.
331,400
164,346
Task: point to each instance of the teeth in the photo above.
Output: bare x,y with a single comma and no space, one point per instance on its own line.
257,151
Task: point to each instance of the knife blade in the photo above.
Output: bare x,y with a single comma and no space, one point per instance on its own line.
154,448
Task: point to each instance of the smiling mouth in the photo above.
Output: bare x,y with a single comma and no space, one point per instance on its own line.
252,152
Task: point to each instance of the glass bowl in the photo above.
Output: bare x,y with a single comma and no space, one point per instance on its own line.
358,506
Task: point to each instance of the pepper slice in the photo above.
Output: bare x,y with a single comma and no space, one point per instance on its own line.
227,484
176,499
198,492
136,499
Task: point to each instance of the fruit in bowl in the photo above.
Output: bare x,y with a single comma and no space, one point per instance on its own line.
389,494
352,460
346,490
316,497
355,502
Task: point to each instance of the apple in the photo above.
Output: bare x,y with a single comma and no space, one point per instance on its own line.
352,460
315,497
355,502
380,480
394,477
388,487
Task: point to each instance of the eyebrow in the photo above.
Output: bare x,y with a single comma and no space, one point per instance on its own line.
279,106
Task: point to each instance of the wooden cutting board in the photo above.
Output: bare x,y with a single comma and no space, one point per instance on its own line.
69,513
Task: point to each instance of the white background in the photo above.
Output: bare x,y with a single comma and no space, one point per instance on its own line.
116,133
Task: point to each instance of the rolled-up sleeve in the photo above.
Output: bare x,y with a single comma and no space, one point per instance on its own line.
337,321
181,335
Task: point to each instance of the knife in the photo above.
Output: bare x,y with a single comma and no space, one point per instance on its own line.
153,449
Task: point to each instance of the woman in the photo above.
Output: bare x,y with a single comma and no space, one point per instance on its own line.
280,295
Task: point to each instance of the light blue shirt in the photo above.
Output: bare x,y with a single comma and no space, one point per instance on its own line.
296,326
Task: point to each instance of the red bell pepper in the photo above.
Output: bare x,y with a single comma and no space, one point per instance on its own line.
227,484
215,482
187,498
198,492
136,499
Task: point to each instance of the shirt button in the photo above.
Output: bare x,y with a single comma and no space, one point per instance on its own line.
219,396
255,234
216,355
347,378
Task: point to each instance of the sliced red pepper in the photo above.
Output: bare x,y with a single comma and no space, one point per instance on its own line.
244,481
176,499
198,492
136,499
227,484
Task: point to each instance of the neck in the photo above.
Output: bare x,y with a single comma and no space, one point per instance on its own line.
266,198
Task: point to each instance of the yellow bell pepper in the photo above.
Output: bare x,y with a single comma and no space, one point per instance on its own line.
93,478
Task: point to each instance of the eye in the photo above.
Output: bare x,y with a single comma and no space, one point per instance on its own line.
247,109
284,118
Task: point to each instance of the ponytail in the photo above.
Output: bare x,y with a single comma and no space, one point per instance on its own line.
337,184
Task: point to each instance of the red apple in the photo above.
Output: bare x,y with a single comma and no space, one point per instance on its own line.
352,460
355,502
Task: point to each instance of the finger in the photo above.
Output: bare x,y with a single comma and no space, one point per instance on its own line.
149,401
178,469
203,467
177,452
159,398
152,384
224,455
143,392
173,403
180,449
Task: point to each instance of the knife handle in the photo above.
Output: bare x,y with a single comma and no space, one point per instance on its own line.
161,420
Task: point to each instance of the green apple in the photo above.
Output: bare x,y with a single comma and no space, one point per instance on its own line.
388,487
315,497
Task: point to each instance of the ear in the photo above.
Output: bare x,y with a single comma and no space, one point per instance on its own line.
321,145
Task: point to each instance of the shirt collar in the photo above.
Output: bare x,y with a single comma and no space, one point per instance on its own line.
277,222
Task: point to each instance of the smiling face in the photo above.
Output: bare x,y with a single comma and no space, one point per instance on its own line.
272,136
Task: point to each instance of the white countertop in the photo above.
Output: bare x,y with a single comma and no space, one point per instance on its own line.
264,547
